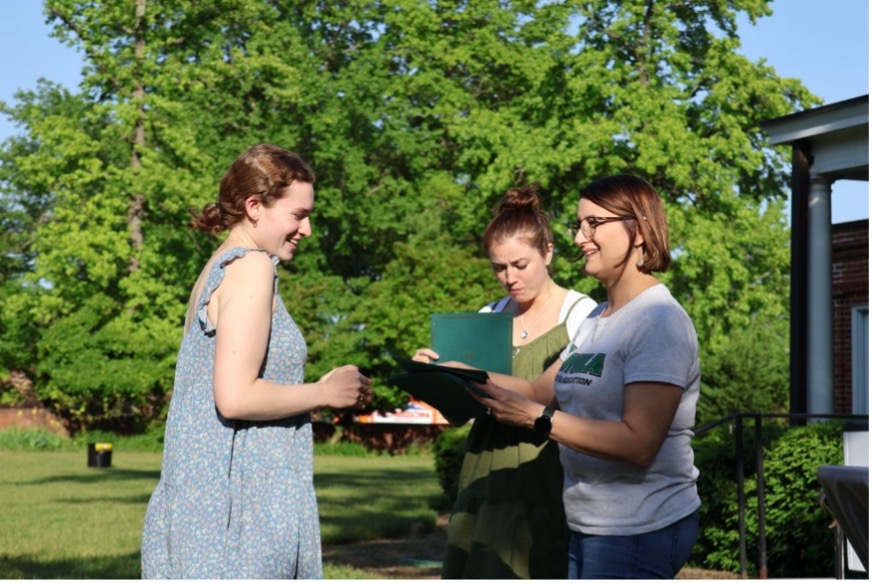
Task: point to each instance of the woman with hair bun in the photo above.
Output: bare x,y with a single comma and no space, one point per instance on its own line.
236,498
508,520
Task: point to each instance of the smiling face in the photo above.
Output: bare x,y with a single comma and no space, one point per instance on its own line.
520,268
281,226
606,250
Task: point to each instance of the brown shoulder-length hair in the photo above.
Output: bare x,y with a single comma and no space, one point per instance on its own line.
630,196
264,171
518,214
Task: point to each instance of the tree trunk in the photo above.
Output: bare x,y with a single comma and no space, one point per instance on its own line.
137,199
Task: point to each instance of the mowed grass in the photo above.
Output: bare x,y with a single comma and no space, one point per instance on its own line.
62,519
378,497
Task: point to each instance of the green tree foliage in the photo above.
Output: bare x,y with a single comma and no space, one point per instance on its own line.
746,372
417,115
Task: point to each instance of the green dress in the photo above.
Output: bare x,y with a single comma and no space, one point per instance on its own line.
508,520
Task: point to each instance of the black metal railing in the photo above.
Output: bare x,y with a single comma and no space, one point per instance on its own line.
738,419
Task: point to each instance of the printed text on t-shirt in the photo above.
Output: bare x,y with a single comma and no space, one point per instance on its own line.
591,364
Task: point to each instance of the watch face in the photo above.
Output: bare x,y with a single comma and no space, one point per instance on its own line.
543,425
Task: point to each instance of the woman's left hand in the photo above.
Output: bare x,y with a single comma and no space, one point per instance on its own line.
506,406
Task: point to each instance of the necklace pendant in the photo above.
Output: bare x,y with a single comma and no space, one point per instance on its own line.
524,334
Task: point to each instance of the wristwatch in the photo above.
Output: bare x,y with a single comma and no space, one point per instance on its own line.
543,423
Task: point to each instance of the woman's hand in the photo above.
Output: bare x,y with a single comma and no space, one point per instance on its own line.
506,406
428,356
425,355
345,386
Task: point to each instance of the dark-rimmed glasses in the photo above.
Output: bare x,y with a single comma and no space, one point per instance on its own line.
590,224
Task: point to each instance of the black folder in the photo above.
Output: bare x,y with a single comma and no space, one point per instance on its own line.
443,388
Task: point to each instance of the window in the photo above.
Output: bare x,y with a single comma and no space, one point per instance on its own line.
860,360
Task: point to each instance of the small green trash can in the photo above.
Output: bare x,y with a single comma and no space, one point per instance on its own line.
99,455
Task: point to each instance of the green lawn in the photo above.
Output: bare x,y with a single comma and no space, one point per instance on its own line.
62,519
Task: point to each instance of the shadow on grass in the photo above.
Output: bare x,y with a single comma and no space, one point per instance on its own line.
138,500
94,476
368,481
32,567
370,504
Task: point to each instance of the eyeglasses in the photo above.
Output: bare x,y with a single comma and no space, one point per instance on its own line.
591,223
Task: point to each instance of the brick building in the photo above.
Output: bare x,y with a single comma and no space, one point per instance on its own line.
850,272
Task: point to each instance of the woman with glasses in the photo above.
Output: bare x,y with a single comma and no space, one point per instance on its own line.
508,519
621,398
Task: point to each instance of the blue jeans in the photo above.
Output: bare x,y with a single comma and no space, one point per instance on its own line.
659,554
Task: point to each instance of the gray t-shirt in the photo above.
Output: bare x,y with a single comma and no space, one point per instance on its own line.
650,339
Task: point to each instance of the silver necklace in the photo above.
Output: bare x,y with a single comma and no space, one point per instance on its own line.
524,332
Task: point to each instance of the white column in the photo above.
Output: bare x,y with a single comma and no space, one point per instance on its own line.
820,344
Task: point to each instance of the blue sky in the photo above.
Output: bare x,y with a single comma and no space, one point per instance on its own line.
824,43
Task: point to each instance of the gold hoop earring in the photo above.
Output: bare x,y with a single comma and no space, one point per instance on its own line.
254,223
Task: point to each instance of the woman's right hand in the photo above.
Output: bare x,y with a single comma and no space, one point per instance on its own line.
345,387
425,355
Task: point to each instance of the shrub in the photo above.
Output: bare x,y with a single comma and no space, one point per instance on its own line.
718,539
42,440
448,452
799,544
715,455
32,440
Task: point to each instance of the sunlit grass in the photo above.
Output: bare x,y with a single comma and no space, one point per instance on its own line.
62,519
341,572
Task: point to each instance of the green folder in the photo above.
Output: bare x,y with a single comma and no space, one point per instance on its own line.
481,340
476,339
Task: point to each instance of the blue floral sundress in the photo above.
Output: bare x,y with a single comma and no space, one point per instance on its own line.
235,498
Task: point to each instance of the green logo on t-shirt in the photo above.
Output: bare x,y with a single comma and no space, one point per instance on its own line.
584,363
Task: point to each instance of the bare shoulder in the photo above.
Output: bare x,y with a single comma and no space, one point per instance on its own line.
252,263
254,270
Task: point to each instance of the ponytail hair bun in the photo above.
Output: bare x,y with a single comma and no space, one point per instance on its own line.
518,214
207,220
524,199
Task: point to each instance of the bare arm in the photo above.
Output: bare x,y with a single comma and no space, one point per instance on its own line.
541,390
648,412
245,305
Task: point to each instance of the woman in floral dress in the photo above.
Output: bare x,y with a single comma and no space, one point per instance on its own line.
236,498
